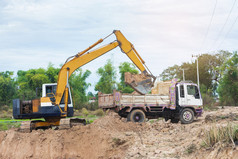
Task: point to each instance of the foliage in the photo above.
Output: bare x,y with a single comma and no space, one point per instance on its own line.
126,67
209,73
107,80
227,134
171,72
30,82
228,84
85,112
27,85
79,86
52,73
217,74
7,125
7,88
207,96
98,112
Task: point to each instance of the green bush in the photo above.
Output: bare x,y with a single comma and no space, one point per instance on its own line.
77,112
85,112
5,108
98,112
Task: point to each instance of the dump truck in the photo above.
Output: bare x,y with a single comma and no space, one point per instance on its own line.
177,101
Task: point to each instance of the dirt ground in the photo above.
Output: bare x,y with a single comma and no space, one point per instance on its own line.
112,137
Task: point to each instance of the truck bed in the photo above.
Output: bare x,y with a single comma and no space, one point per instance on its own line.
119,99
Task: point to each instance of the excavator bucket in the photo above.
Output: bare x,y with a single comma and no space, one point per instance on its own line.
139,82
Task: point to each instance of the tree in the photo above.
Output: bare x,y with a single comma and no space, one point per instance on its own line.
107,80
7,88
171,72
31,81
228,84
52,73
79,86
209,73
126,67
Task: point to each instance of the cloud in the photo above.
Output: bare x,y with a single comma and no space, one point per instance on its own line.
34,33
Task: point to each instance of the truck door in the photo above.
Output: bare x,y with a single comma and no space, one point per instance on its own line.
193,96
181,95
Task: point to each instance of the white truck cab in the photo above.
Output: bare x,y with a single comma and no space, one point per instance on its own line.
189,95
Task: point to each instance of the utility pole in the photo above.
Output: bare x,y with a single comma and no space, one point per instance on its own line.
183,73
197,69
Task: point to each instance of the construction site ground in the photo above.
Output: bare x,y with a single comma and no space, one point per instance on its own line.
113,137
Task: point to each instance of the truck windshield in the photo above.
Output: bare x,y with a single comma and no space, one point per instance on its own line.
193,90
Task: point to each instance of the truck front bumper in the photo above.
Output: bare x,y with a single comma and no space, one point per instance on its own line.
199,112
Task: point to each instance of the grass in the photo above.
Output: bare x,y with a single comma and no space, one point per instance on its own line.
8,125
155,120
90,118
191,148
6,122
225,135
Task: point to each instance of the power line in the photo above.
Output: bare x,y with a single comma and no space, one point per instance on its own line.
228,32
219,34
205,37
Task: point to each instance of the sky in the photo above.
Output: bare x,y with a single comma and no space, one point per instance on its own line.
34,33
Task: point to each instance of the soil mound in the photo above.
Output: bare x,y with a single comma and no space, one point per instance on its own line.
113,137
104,138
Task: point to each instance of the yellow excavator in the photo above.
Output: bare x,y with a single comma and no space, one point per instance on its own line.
56,102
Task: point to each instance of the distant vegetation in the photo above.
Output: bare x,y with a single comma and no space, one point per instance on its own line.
218,79
27,85
218,74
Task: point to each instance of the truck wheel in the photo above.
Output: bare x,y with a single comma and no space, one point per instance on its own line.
187,116
137,115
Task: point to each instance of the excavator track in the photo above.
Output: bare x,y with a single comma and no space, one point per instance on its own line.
67,123
70,122
25,127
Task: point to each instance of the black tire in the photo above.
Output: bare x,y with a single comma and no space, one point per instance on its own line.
137,115
186,116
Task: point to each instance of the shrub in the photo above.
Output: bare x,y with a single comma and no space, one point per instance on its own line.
227,135
208,101
76,112
4,107
98,112
85,112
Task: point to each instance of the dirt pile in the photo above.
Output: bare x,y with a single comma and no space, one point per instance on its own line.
112,137
104,138
166,140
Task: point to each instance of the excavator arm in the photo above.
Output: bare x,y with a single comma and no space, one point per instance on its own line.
85,57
